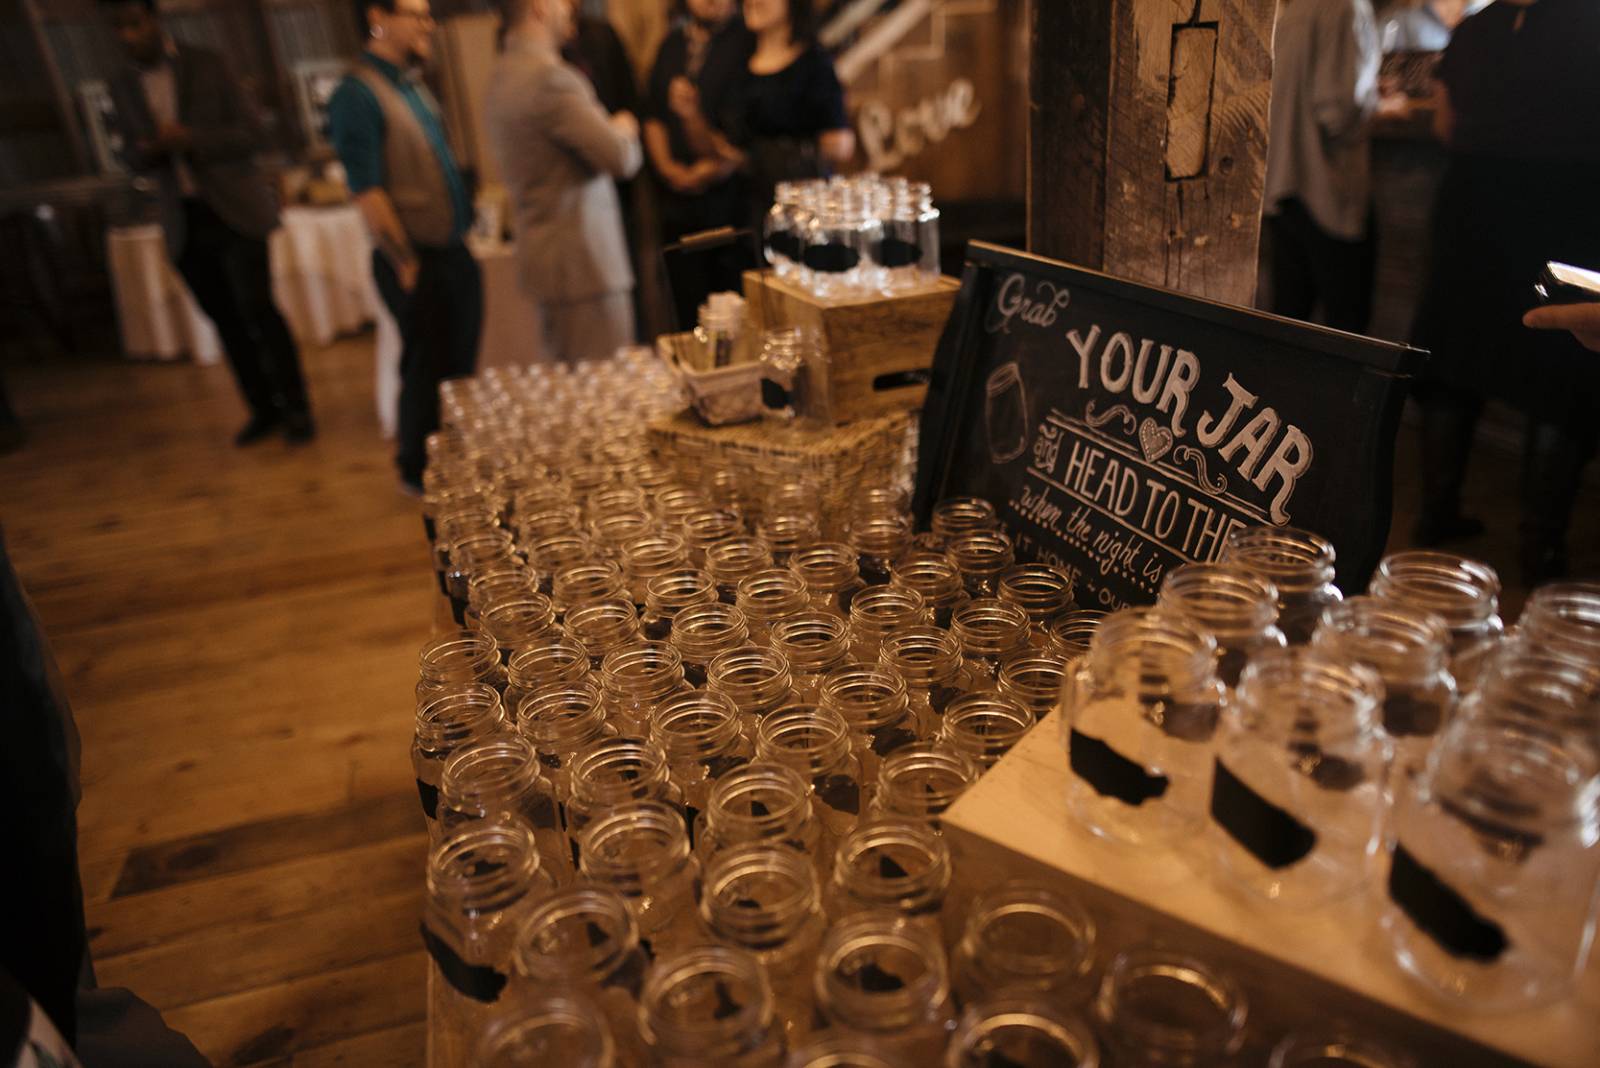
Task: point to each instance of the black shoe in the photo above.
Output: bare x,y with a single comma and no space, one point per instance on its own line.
1432,531
259,427
298,428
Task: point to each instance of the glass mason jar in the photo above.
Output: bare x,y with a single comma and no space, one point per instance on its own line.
1301,778
1464,593
613,530
1034,680
549,520
494,586
981,556
557,659
1021,1030
520,623
703,632
1158,1008
710,1005
768,596
761,803
929,660
756,680
638,679
732,560
603,626
884,977
1237,607
936,579
909,253
955,516
894,864
1298,563
580,584
533,1030
830,575
815,742
1409,649
1565,618
700,732
499,780
446,723
878,540
555,553
880,611
983,727
614,500
482,881
1042,591
460,656
648,556
780,231
813,644
668,594
1068,635
921,782
611,772
1138,718
990,632
1535,685
562,720
641,850
704,528
873,701
1026,940
788,532
834,1049
764,899
485,550
1333,1048
674,503
584,940
1494,865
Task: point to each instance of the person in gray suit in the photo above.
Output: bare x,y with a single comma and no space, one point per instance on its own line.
559,153
185,123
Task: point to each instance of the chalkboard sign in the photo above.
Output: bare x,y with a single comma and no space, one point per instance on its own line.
1123,430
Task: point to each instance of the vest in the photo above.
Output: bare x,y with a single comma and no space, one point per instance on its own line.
413,174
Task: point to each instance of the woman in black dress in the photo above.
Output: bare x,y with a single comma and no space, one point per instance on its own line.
1519,112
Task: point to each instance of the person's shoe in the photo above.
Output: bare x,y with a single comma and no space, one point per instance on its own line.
258,428
298,428
1432,531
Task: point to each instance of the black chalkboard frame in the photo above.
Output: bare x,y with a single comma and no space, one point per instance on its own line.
1381,370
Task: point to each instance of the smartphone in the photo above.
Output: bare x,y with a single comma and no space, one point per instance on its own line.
1562,283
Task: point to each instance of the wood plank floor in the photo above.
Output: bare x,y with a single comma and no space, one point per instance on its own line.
238,632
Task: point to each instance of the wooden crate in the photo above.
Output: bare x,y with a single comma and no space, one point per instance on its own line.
879,348
1299,969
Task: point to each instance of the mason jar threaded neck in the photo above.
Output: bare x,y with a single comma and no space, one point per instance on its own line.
458,717
1296,561
459,656
989,628
804,736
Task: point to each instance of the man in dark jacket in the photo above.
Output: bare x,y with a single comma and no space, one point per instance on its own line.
185,123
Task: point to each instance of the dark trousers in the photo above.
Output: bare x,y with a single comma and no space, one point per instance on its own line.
440,322
1311,268
232,281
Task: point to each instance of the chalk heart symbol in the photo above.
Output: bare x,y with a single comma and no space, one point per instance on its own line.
1156,441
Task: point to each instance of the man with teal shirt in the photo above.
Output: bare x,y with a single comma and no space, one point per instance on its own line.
389,134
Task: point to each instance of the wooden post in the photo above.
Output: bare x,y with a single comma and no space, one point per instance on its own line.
1147,141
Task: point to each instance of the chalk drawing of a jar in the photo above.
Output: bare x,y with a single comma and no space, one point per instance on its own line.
1006,412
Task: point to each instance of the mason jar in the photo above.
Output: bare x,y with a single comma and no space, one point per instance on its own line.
1034,680
603,626
789,531
884,978
614,530
764,899
700,732
955,516
1138,718
1534,684
878,540
610,772
1041,590
472,554
706,527
584,940
815,742
445,724
703,632
710,1005
533,1030
1024,939
640,850
1565,618
813,644
585,583
556,659
769,596
990,632
734,559
460,656
1464,593
669,593
873,702
562,720
1494,865
835,1049
1021,1030
555,553
1410,650
636,680
1333,1047
921,782
1068,635
897,864
981,556
494,586
929,660
983,727
879,611
830,575
548,520
934,577
1237,607
499,780
1298,563
482,881
649,555
1157,1008
761,803
519,623
756,680
1301,776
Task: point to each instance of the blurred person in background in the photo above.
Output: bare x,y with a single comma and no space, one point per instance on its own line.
389,134
1423,25
185,123
560,153
1518,108
1319,211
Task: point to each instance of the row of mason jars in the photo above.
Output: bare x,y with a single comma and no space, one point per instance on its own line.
1404,742
855,236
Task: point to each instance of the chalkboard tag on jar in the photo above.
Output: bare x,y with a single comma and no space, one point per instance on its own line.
429,794
476,981
1112,774
1268,832
898,252
832,259
1442,913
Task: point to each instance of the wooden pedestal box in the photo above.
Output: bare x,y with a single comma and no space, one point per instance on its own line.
1299,970
879,348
